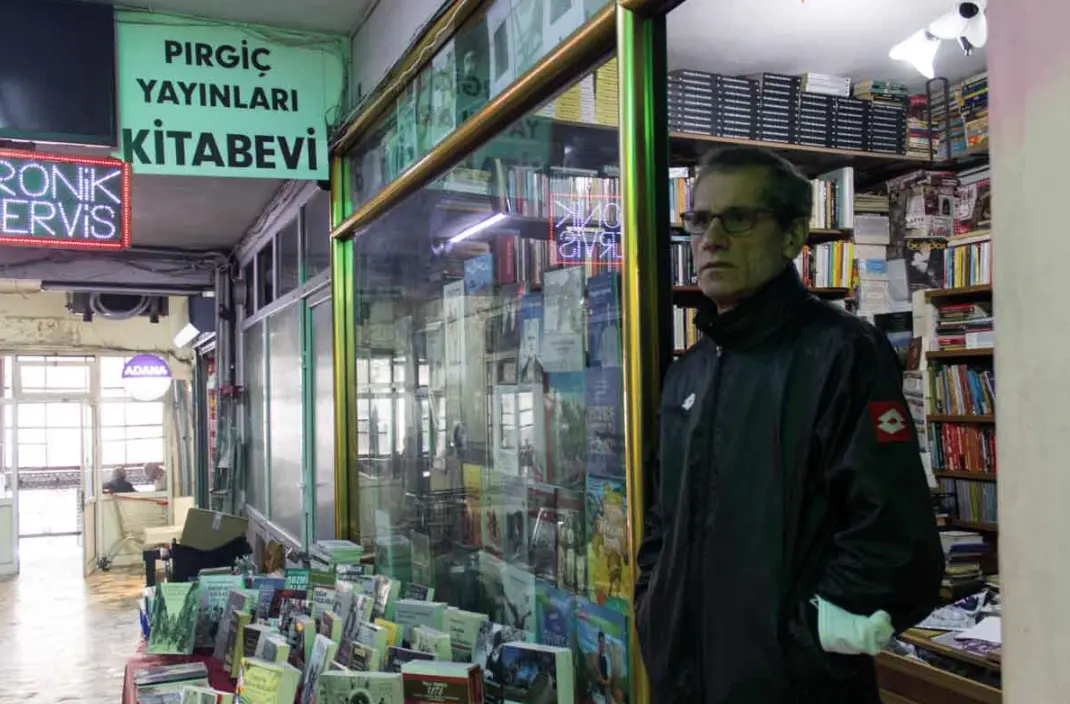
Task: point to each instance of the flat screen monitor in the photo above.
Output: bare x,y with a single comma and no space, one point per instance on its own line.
57,72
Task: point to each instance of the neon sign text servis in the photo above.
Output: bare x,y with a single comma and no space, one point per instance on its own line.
59,201
586,228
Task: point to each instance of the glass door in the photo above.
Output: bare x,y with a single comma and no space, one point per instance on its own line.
9,521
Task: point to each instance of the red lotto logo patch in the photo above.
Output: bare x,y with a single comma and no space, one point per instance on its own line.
890,420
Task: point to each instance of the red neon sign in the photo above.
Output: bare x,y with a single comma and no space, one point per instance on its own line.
61,201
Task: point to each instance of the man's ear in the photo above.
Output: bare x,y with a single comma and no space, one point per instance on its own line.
795,237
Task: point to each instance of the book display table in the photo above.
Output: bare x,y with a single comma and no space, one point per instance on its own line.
217,676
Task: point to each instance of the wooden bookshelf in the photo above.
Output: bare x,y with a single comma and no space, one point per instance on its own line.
940,294
972,476
944,418
976,526
687,291
959,354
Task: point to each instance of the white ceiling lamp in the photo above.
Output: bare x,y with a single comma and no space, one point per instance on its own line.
965,23
918,50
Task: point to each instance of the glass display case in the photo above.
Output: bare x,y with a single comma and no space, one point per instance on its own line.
489,388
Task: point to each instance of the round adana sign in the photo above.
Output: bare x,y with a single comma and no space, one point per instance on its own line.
146,377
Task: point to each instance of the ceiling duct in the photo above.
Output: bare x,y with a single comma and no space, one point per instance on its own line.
117,306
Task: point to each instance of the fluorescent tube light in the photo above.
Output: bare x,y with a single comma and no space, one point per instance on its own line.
478,227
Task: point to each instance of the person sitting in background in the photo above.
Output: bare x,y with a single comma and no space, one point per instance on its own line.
118,483
155,474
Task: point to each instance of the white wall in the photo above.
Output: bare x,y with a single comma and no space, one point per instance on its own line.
1029,93
40,322
383,39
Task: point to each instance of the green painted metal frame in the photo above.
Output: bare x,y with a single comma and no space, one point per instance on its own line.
343,319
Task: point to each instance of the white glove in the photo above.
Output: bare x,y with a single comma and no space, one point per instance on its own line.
850,634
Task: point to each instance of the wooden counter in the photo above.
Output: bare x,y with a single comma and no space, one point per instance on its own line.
909,681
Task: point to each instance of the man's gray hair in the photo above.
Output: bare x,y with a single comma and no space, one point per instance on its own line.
788,193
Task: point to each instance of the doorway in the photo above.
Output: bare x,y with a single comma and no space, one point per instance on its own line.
67,424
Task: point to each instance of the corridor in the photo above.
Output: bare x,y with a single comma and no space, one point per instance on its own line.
64,638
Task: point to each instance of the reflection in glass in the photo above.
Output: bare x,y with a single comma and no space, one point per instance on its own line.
255,382
485,56
489,387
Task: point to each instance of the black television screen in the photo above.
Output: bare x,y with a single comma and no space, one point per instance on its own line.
57,72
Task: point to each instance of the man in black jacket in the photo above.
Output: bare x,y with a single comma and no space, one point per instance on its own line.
790,530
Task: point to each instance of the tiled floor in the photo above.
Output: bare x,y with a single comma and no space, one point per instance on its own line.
64,638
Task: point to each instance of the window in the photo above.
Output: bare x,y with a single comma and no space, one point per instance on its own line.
286,413
488,413
256,469
323,417
265,276
50,435
289,258
316,216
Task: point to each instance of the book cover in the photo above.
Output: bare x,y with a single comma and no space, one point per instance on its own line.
604,321
427,682
607,552
397,657
535,673
323,652
571,542
564,330
487,653
360,688
463,629
491,586
518,585
515,548
567,393
601,654
605,422
472,520
529,358
173,622
554,616
542,523
214,591
493,502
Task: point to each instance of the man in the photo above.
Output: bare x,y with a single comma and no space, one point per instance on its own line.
118,483
790,530
155,474
604,682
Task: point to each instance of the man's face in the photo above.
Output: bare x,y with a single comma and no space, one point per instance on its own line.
733,265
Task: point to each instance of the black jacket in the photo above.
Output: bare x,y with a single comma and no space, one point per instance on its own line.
787,468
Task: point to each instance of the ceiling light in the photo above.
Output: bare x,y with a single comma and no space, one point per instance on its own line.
478,227
918,50
186,335
966,23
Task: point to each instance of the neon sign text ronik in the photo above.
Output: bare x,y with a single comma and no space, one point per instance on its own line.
59,201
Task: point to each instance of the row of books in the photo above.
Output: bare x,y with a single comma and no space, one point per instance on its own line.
832,198
962,390
961,326
827,265
962,447
974,501
684,332
968,264
780,108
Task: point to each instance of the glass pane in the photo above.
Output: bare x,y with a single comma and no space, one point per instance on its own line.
112,434
253,376
145,413
286,412
265,272
111,373
67,378
493,466
317,219
249,279
32,378
112,453
141,451
112,414
323,419
486,56
65,448
32,415
33,435
32,456
64,415
289,264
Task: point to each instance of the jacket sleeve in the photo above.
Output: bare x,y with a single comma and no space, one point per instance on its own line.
885,551
649,551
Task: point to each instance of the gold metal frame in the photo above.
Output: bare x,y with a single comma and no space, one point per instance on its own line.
577,54
401,74
644,147
342,360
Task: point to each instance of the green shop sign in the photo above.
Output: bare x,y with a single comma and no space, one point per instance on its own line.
202,98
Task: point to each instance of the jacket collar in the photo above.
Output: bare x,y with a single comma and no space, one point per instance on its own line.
757,317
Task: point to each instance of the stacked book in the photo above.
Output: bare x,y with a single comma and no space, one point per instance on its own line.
849,128
708,103
919,131
973,105
885,93
779,117
963,551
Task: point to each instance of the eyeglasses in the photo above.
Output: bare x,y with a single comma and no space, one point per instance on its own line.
735,221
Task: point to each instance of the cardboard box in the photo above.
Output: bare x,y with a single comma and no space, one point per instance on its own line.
208,530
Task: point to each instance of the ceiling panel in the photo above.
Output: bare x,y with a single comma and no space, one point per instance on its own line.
330,16
839,37
196,212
